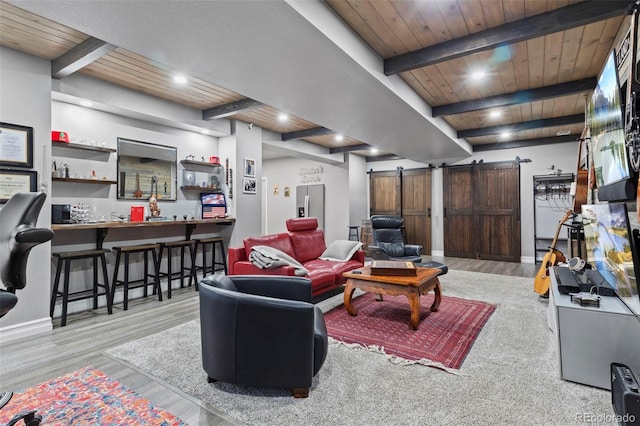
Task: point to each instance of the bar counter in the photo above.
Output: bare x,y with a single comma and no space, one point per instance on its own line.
102,228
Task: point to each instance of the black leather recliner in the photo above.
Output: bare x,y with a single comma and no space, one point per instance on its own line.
18,235
261,331
388,243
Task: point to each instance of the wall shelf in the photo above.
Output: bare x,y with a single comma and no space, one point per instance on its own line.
199,188
186,163
93,181
81,146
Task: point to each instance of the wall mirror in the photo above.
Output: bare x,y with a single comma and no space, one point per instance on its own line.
146,169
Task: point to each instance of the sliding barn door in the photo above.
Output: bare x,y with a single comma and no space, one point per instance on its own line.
384,193
416,207
482,211
459,220
497,189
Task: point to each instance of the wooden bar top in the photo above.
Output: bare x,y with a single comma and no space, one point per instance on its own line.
112,225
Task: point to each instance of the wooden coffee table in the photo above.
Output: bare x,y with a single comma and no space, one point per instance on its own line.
394,285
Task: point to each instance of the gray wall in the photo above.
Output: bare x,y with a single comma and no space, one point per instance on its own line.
245,143
26,101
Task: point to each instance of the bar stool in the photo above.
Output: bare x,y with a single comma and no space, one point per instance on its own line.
64,260
353,233
214,241
182,245
142,282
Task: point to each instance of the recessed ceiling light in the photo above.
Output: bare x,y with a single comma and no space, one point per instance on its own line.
339,138
282,117
180,79
87,104
505,135
563,132
495,113
374,150
478,74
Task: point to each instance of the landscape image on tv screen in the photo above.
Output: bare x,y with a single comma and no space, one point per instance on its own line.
610,250
607,128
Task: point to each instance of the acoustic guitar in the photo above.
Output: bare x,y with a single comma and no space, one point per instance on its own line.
582,179
137,193
552,258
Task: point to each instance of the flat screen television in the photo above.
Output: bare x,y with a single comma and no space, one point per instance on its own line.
214,204
612,169
612,251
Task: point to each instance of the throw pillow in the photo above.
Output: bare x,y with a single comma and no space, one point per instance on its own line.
341,250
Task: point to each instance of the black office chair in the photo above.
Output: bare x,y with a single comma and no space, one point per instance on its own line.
18,235
261,331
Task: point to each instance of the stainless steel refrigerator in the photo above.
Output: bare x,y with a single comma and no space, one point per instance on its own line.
310,202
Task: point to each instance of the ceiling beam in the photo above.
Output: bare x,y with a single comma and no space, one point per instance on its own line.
307,133
387,157
79,57
519,97
525,143
349,148
231,108
554,21
523,125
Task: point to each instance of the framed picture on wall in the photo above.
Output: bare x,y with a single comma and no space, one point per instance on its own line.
14,181
249,186
16,145
249,167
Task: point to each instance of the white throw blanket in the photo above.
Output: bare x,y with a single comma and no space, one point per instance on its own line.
265,257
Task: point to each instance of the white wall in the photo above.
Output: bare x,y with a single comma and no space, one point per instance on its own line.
248,144
562,156
286,173
358,190
26,101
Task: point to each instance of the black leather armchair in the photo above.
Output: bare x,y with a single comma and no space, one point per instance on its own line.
261,331
388,243
18,235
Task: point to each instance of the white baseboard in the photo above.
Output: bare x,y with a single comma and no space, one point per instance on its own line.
438,253
25,329
527,259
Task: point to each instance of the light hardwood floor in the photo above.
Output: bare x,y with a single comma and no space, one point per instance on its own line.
88,335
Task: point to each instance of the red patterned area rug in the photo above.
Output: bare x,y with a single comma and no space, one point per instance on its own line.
87,397
443,339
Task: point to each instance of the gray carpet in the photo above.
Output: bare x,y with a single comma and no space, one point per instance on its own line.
509,377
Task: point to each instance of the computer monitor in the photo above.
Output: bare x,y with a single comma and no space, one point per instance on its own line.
611,250
214,204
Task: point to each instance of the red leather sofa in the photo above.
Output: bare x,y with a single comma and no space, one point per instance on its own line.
305,243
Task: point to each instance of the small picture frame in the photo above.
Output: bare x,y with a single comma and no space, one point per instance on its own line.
14,181
249,167
249,186
16,146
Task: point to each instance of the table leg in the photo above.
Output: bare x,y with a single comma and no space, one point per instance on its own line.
348,293
437,297
414,305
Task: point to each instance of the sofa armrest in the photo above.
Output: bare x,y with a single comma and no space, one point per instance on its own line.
235,254
277,286
358,256
412,249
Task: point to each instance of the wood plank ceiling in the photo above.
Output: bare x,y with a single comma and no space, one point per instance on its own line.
403,32
559,67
